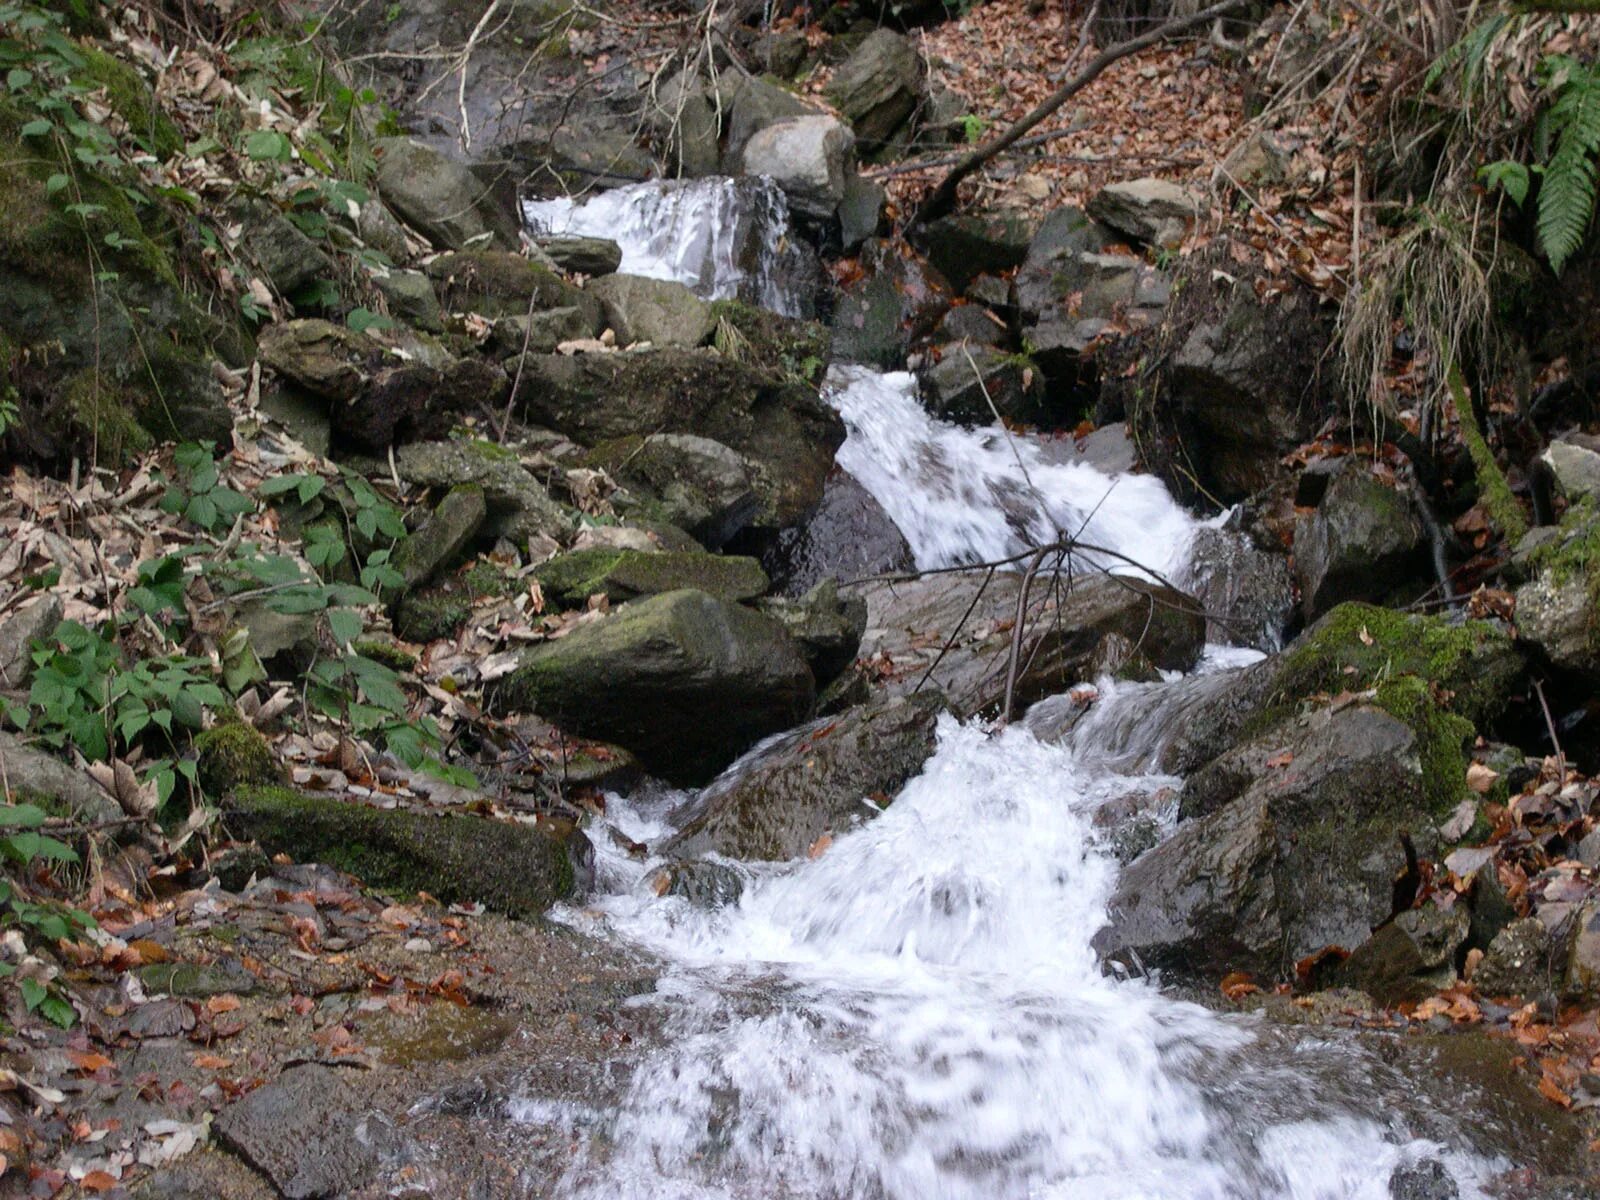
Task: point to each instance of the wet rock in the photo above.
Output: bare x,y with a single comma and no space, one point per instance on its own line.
1047,266
659,311
1410,958
1290,846
623,575
33,775
971,384
684,118
496,283
411,299
826,627
286,258
810,158
896,303
1153,211
646,676
780,425
583,255
754,104
911,622
1583,964
1555,614
510,867
444,537
35,621
819,779
1248,593
694,483
703,882
860,212
879,86
1363,541
849,536
517,506
966,245
973,324
1425,1180
440,198
300,1132
1574,464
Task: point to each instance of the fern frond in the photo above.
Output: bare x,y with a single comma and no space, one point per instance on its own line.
1567,194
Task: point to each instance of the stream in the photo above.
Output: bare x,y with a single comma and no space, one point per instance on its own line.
917,1011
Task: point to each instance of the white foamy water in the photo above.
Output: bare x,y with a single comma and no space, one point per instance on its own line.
724,238
960,496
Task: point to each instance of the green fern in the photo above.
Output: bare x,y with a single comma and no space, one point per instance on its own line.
1567,193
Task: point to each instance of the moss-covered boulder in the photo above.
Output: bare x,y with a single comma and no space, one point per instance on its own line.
1558,608
778,344
498,283
441,198
779,424
683,680
1364,540
443,537
660,311
518,505
622,575
232,754
694,483
510,867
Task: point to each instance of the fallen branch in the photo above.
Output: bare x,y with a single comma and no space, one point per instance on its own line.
942,199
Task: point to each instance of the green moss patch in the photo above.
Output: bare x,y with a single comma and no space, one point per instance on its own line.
1575,555
233,754
799,350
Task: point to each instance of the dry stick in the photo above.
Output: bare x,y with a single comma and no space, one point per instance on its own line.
1015,657
943,197
466,61
956,632
1550,724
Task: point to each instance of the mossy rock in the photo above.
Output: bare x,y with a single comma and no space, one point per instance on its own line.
800,350
233,754
432,613
498,283
623,575
129,96
512,868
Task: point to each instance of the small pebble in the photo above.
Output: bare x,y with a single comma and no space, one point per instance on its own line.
419,946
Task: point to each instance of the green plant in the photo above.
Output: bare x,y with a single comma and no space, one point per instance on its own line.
972,127
23,845
198,493
1567,187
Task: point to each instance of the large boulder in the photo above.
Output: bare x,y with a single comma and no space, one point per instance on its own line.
683,680
659,311
754,104
1154,211
443,538
827,627
973,384
879,86
582,255
1248,592
1292,844
699,485
498,283
1364,540
896,302
815,781
810,158
1573,462
622,575
849,536
1556,607
912,623
517,505
441,198
778,423
966,245
513,868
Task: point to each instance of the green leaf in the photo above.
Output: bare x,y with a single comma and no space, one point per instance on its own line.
268,145
38,128
345,625
364,319
56,183
22,816
58,1012
33,993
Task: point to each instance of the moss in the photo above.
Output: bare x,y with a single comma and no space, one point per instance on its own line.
491,451
98,411
1358,646
796,349
1494,493
484,578
510,867
1443,739
436,612
130,97
394,657
1576,555
626,574
233,754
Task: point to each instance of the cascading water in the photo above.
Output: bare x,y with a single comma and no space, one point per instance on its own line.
725,238
917,1012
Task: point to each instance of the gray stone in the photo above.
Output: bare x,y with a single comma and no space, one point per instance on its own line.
697,484
1153,211
848,536
302,415
781,426
1583,963
1248,593
818,780
899,299
1523,960
972,383
879,86
538,333
1364,540
860,211
659,311
1410,958
583,255
497,283
1555,615
810,158
440,198
411,299
35,621
911,622
1425,1180
1259,159
826,627
967,245
518,505
648,676
973,324
685,120
300,1132
755,104
377,227
623,575
1288,845
286,258
1574,463
444,537
31,773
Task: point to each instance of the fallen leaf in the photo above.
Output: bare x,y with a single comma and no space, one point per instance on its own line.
1366,638
99,1181
1481,778
212,1062
820,847
88,1062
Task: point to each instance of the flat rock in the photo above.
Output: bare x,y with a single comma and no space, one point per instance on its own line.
300,1132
